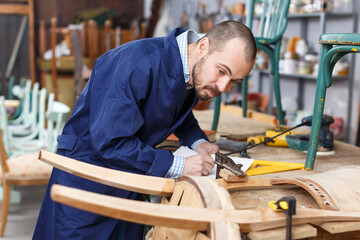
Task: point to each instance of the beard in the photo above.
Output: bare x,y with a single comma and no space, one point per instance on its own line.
200,90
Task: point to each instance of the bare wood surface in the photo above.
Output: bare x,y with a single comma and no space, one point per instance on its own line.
188,217
199,192
12,103
128,181
340,227
42,37
14,9
333,190
230,123
53,60
251,183
32,40
230,177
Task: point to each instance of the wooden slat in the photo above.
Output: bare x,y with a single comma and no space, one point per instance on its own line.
12,103
188,217
53,59
32,40
251,183
340,227
14,9
128,181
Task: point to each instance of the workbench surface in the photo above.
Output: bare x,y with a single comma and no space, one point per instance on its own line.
345,154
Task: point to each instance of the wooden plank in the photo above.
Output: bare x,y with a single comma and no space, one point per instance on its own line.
230,177
297,232
188,217
53,59
340,227
12,103
251,183
128,181
32,40
17,9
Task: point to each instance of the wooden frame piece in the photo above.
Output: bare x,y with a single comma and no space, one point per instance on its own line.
193,218
128,181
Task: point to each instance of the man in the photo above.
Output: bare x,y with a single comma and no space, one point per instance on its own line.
139,94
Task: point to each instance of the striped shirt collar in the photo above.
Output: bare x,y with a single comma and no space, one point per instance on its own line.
183,40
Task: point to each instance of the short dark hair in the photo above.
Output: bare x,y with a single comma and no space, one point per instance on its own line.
227,30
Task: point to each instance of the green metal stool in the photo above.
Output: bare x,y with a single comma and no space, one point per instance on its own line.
273,23
333,47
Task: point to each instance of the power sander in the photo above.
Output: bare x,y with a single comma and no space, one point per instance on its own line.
326,139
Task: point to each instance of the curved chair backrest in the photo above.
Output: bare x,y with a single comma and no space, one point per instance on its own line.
38,120
4,125
273,20
24,95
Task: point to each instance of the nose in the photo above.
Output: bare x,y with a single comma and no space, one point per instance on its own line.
223,84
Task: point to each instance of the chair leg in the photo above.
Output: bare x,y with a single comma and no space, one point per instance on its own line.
315,128
4,207
276,81
318,112
244,93
279,111
217,105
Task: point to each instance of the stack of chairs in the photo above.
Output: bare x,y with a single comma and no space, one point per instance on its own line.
35,128
28,132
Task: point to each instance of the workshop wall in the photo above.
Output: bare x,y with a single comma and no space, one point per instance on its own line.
337,100
65,11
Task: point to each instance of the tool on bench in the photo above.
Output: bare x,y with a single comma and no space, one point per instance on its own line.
253,143
259,167
288,206
326,141
224,161
293,140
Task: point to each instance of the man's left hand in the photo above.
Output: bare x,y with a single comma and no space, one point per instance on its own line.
207,148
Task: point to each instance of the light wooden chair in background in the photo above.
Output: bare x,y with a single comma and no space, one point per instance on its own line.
23,170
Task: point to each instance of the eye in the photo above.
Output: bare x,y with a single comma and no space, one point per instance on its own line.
221,72
236,81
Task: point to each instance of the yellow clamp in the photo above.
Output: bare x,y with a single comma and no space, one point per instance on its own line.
283,206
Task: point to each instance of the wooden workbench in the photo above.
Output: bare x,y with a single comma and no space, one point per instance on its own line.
345,154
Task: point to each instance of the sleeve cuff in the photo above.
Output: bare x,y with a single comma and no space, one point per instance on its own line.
176,168
196,143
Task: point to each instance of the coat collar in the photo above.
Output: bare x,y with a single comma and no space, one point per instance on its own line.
173,59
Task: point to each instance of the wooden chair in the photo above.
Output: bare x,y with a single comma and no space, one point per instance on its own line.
23,170
333,47
273,23
24,95
44,137
193,207
28,123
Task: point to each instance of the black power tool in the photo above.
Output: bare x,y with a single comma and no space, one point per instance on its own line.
326,139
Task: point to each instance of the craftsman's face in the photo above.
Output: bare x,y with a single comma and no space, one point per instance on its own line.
217,72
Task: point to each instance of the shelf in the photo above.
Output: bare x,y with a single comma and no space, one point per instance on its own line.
302,76
319,14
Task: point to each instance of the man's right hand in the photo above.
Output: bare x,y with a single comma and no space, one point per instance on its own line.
198,165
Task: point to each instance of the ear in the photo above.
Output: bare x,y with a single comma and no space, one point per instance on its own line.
202,47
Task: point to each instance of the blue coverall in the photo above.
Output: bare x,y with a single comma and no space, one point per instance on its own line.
132,102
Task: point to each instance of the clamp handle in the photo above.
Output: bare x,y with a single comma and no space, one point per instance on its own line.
288,206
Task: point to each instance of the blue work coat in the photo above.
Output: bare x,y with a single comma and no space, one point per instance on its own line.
132,102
